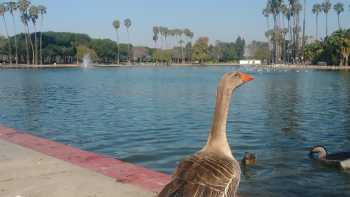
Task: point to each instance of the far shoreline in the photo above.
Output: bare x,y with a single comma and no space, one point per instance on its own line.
274,66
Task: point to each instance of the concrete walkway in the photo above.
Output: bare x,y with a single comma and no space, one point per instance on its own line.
27,173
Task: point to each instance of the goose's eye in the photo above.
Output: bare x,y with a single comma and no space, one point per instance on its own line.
236,75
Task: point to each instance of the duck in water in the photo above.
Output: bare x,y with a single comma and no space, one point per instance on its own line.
340,159
249,159
213,171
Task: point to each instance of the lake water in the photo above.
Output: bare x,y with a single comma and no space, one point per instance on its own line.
156,116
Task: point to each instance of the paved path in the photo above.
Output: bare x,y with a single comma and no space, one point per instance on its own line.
31,166
27,173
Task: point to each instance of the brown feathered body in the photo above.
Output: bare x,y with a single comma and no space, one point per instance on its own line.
204,175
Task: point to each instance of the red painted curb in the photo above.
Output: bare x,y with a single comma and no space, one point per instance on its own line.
121,171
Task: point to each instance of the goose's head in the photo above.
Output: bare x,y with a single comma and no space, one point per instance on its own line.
233,80
318,150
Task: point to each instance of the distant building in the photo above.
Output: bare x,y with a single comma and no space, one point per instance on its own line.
250,62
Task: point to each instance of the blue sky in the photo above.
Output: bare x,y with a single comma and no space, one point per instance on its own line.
217,19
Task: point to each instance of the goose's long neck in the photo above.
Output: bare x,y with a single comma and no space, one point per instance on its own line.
217,140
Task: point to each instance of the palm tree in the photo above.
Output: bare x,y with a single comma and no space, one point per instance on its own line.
155,39
345,51
274,6
178,34
266,12
339,8
127,23
23,6
34,15
166,33
286,13
12,7
181,42
155,35
326,7
303,38
295,8
187,33
191,35
317,9
3,10
116,25
42,12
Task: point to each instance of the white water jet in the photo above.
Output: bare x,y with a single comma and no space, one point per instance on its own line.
86,61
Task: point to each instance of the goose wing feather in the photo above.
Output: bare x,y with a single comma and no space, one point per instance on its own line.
204,175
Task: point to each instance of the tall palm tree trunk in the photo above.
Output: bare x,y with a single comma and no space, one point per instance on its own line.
27,45
316,26
31,44
339,21
41,40
35,45
274,39
326,24
118,55
182,54
128,45
297,47
8,38
16,45
303,42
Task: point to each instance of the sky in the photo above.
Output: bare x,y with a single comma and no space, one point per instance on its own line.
218,19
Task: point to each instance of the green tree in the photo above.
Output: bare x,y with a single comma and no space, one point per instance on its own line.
333,49
84,50
316,9
258,50
116,25
240,45
326,7
42,11
345,51
313,52
163,56
339,8
127,24
200,50
3,10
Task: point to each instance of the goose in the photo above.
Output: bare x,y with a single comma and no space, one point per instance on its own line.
213,171
341,159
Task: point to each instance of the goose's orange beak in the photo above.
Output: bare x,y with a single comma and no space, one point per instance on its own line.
245,77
